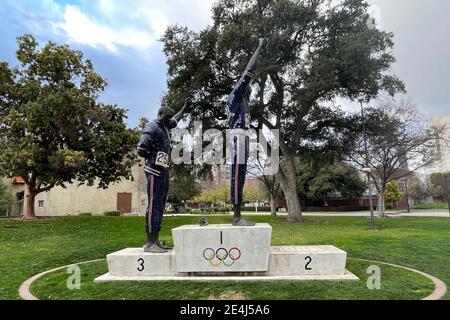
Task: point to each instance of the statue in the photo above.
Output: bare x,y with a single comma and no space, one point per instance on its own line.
239,123
155,147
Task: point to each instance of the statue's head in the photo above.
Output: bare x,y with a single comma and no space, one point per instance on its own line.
165,114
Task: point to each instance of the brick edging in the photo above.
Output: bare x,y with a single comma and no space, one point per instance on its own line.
440,289
24,289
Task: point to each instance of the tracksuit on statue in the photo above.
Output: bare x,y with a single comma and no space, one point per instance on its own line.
239,123
155,143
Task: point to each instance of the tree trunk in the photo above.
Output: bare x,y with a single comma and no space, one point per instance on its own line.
381,206
287,178
273,209
28,203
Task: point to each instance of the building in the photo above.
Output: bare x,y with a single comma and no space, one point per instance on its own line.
444,146
125,196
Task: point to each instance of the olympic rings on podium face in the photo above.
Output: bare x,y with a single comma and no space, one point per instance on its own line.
222,255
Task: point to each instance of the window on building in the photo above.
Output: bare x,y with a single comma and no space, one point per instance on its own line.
41,203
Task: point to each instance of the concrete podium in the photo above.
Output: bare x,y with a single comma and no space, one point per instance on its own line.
225,252
222,248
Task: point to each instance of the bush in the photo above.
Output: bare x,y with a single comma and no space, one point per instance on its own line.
208,211
112,213
430,206
87,214
336,209
215,210
253,209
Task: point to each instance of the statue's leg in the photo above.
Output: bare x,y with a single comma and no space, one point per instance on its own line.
153,216
162,203
149,201
238,174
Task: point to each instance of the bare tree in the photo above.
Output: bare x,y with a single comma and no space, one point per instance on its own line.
256,169
400,142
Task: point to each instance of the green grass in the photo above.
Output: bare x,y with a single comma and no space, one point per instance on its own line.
431,206
32,247
397,284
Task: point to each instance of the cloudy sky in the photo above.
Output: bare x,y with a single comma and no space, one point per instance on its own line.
121,38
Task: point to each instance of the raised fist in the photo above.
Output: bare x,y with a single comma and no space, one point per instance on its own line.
263,42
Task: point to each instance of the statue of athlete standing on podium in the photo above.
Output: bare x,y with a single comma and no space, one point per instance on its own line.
239,123
155,146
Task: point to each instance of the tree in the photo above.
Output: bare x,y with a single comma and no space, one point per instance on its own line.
184,183
256,170
317,51
255,193
400,142
417,190
392,193
338,178
52,129
442,182
218,194
6,199
317,179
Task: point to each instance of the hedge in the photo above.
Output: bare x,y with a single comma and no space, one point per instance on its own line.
199,211
112,213
253,209
427,206
87,214
336,209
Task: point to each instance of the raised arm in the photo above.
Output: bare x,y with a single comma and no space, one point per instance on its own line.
247,76
180,114
252,63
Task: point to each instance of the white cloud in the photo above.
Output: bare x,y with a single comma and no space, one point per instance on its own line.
111,24
81,29
158,14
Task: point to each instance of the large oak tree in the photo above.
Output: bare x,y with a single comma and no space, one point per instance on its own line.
52,129
318,50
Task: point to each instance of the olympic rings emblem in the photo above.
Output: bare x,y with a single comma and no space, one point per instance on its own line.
222,255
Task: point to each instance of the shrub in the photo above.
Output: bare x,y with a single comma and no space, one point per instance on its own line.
87,214
336,209
112,213
253,209
428,206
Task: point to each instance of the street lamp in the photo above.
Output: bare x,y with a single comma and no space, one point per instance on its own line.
367,168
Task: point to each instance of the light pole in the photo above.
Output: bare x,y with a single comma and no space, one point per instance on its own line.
367,169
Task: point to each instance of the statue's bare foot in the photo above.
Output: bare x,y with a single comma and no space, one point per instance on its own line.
153,248
241,222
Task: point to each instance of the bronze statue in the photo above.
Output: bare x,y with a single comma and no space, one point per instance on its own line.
155,146
239,123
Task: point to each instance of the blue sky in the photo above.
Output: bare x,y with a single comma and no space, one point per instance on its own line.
121,38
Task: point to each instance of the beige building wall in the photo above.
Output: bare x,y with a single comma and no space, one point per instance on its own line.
75,199
444,147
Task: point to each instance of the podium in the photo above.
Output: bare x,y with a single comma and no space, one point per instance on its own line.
226,252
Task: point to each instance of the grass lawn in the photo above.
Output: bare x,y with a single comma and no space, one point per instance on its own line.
28,248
